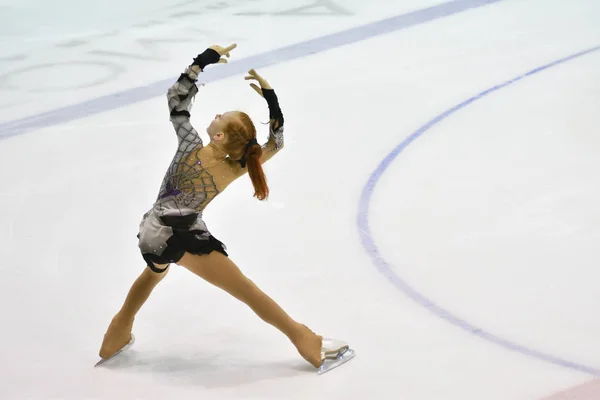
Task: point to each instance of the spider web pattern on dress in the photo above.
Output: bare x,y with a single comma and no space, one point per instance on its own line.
185,185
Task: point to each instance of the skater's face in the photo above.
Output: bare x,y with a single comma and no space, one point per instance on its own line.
216,129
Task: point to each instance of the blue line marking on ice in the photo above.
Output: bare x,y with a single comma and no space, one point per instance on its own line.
386,269
298,50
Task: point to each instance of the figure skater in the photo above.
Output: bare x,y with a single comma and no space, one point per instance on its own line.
173,231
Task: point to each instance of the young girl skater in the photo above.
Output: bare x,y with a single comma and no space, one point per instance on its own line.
173,232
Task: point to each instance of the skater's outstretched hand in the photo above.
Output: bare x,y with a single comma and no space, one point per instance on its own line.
213,55
266,91
223,51
253,75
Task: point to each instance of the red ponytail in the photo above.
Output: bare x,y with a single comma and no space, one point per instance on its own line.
239,133
256,173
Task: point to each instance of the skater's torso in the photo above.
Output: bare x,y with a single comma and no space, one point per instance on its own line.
196,177
198,173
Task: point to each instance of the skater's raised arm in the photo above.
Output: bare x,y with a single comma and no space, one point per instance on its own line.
182,92
275,142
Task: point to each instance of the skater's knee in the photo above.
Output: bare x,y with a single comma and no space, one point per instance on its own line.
157,272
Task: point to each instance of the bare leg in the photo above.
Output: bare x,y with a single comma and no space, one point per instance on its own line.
220,271
119,330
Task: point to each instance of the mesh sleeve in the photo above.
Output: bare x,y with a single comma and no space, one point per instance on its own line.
179,98
276,133
276,120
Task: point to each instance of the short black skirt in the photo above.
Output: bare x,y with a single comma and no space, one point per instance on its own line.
183,241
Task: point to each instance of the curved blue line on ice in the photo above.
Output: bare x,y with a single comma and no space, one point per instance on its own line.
385,268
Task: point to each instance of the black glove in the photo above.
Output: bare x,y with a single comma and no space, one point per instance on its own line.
209,56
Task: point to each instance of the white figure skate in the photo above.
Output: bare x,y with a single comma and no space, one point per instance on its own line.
127,346
333,354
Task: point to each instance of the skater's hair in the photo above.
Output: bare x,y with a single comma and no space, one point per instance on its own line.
240,132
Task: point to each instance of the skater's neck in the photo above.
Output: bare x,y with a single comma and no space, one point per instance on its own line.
216,150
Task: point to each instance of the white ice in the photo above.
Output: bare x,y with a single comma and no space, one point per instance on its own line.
493,213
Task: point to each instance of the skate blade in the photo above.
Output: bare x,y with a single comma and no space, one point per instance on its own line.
330,363
127,346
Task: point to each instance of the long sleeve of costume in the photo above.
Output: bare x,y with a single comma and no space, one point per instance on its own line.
179,97
276,122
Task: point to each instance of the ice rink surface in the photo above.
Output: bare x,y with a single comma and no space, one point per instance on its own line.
436,204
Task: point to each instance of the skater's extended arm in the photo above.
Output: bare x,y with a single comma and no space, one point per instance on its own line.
181,94
275,142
